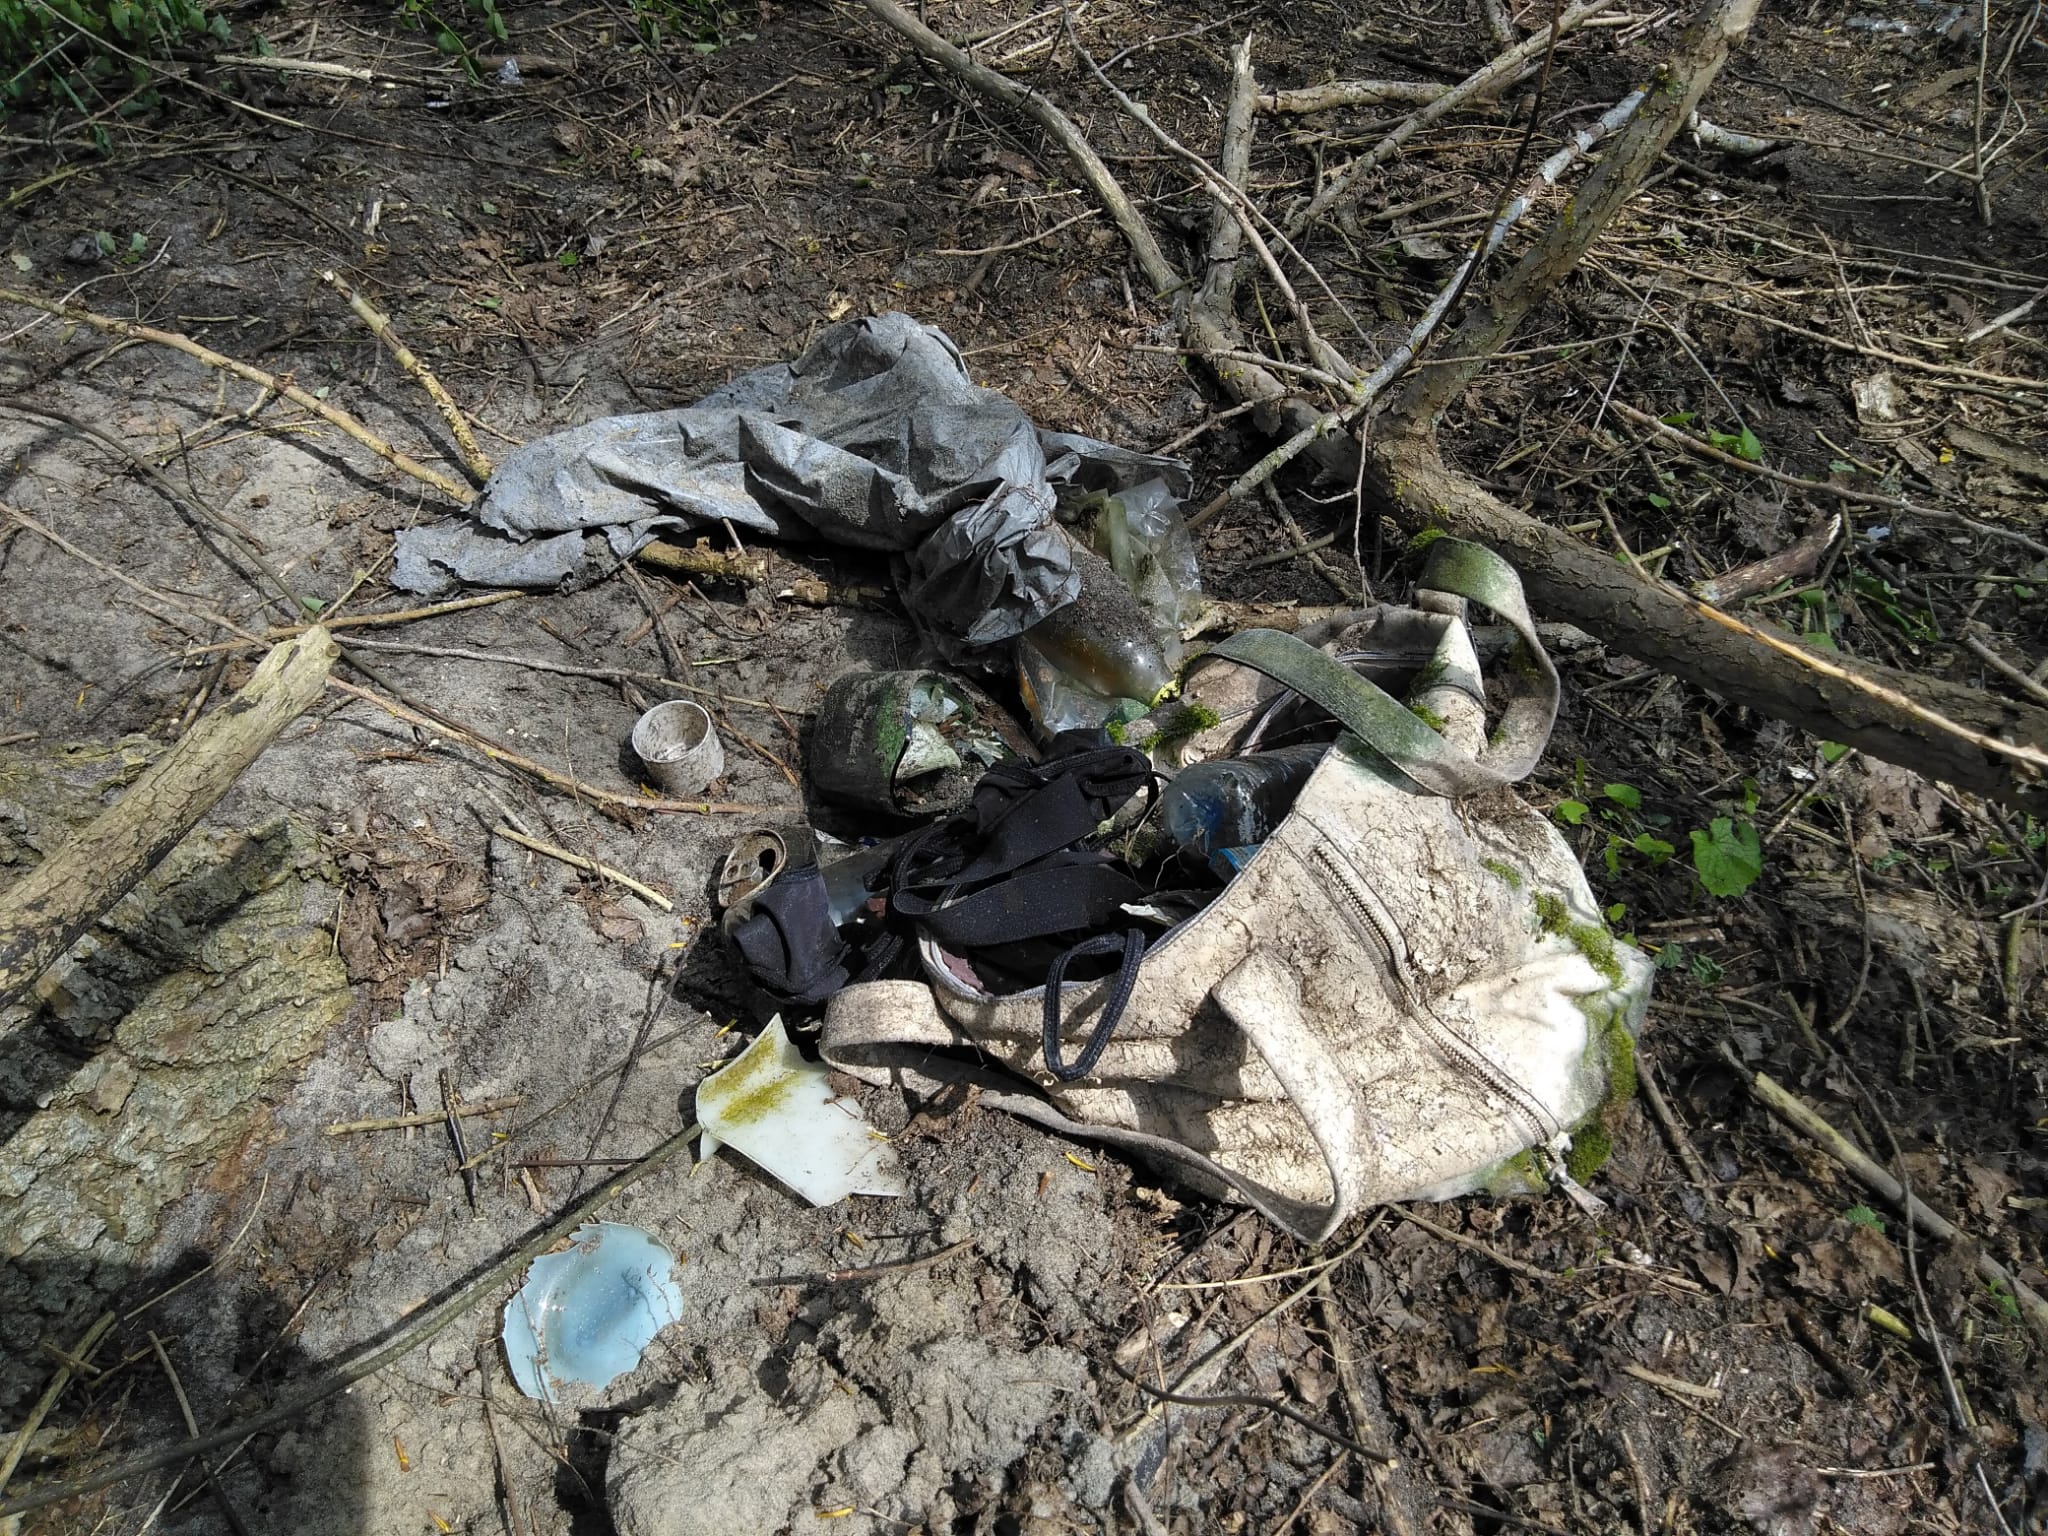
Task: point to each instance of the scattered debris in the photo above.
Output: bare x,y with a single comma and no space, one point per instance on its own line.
586,1314
677,745
780,1112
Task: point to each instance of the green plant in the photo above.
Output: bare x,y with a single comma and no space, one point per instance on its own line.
73,49
2007,1303
706,25
1864,1216
1915,623
421,16
1743,444
1619,813
1728,856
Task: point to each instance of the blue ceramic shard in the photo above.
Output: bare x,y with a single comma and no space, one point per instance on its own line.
586,1314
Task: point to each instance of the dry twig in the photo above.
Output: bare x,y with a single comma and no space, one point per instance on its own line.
334,416
474,458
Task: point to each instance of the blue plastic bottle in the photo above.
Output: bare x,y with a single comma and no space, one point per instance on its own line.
1218,812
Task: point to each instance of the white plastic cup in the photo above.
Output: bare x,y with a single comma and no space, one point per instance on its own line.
678,746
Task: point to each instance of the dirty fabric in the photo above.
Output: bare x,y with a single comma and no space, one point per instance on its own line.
873,438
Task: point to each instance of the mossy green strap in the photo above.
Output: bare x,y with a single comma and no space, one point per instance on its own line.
1386,725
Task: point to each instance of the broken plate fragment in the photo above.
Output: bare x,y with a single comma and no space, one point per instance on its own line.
586,1314
780,1113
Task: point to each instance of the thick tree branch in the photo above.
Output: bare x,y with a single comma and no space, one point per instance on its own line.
1986,745
1902,717
1668,102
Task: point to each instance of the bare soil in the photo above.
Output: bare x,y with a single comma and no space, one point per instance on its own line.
626,229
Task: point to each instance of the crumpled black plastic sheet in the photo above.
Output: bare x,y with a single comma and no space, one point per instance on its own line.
875,437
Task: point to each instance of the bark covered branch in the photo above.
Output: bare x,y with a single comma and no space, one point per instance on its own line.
44,912
1988,745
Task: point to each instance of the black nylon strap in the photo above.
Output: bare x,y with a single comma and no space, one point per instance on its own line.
1132,942
1052,897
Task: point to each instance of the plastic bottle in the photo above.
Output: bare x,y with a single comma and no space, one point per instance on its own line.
1218,812
1103,640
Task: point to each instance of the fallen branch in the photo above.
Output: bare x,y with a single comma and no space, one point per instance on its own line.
1463,360
1942,729
406,1122
1796,559
1795,1112
624,808
1665,106
1353,93
576,860
1478,86
44,912
1152,260
702,560
79,1355
474,458
461,495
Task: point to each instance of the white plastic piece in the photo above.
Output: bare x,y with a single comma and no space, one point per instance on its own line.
681,750
925,751
587,1313
780,1113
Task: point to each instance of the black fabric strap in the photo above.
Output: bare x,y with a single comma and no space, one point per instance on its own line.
1008,878
1132,942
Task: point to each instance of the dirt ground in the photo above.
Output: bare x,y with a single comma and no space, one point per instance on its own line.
1744,1340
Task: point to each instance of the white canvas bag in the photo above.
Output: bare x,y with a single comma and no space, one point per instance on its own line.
1408,986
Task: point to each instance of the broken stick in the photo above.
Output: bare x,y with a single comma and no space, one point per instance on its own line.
1798,1114
333,415
43,914
474,458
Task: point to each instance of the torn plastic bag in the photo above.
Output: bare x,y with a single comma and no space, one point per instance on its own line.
1406,989
873,438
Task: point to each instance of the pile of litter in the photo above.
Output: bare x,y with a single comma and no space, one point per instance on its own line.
1270,917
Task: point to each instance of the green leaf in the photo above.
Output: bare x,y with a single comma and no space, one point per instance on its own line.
1864,1216
568,258
1659,502
2021,590
1749,448
448,42
1573,811
489,207
1624,795
1677,419
1832,751
1657,849
1728,855
1617,912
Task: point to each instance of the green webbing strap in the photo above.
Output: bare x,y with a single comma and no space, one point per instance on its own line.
1387,725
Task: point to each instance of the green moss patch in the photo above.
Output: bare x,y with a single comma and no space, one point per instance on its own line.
1590,939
